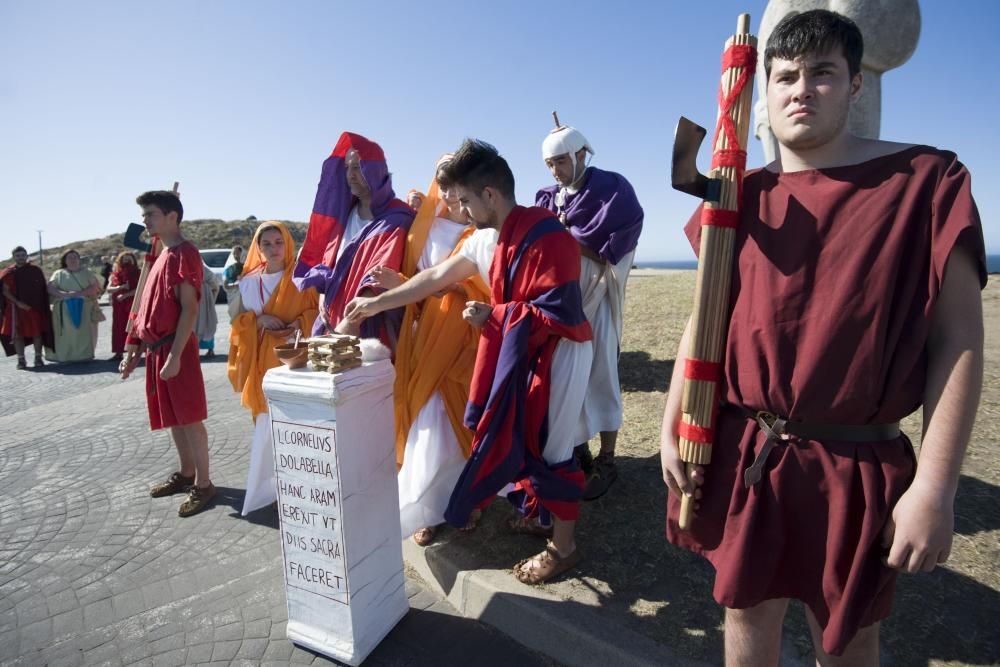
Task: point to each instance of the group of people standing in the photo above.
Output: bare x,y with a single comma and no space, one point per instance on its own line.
62,314
855,301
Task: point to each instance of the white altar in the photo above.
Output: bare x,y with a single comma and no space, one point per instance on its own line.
335,462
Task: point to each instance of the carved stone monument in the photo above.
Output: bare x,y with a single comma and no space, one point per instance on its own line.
335,463
890,29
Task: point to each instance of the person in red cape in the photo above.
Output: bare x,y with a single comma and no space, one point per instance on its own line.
527,344
855,299
26,312
122,282
164,328
357,224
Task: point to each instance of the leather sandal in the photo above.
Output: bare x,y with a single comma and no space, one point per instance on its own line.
522,525
197,500
604,475
176,483
545,566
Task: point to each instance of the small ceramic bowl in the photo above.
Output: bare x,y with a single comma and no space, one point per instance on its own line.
291,356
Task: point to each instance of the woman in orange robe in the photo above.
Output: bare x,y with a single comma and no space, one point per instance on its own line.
434,360
272,309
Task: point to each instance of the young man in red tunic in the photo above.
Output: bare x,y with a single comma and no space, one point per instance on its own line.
164,328
26,314
855,301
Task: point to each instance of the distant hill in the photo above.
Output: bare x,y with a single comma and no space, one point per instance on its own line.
206,233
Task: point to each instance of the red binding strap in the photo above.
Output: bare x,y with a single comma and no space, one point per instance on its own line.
729,158
738,55
693,433
719,217
699,369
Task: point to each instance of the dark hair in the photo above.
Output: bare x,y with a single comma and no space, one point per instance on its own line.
62,257
266,227
122,255
18,249
165,200
812,32
478,165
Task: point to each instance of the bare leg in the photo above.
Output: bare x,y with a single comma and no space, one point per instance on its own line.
19,346
562,536
753,636
38,346
184,452
197,441
608,441
862,651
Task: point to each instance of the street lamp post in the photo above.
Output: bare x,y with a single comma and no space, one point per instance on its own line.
41,261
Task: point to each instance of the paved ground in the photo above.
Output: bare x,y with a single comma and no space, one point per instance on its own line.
94,571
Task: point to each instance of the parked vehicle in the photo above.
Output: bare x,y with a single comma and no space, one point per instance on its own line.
217,259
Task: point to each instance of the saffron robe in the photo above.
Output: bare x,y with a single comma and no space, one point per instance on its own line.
341,274
535,292
837,274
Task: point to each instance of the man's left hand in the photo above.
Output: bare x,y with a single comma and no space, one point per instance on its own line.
476,313
919,534
171,368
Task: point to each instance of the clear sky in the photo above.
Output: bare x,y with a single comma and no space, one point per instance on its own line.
241,101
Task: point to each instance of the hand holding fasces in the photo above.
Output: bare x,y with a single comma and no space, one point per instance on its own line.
918,535
476,313
675,472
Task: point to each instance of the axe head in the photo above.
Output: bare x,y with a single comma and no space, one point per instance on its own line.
133,238
684,174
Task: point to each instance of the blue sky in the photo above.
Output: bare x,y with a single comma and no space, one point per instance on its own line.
242,101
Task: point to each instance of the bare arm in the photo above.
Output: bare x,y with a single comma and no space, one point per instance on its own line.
673,468
417,288
922,524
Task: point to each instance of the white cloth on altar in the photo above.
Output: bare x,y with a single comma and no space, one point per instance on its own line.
432,458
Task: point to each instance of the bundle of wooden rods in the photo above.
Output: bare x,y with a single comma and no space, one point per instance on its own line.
709,319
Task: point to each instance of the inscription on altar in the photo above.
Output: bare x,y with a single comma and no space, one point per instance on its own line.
312,537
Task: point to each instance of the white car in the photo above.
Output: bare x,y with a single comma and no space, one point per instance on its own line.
217,259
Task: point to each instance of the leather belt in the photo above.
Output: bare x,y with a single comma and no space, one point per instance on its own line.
778,428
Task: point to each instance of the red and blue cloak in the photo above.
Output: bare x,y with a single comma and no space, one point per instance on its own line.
381,242
535,290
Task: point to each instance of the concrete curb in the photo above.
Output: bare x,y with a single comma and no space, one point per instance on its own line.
571,632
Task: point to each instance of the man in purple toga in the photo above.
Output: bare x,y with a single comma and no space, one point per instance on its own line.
602,213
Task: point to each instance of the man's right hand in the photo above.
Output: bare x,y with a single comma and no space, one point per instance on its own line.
675,470
361,308
128,363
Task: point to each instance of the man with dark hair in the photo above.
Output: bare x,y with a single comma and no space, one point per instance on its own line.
535,337
164,328
357,224
602,213
26,312
855,300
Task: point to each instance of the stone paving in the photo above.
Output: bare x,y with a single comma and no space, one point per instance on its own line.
94,571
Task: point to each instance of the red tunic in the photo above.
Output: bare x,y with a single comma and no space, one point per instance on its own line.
127,275
180,400
838,272
27,284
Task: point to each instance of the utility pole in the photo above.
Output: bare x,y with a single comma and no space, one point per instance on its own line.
41,261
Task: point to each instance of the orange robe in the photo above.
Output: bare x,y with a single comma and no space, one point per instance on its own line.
439,353
251,351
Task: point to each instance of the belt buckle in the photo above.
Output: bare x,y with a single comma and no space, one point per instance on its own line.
767,417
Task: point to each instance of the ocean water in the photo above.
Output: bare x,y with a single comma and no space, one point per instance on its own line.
992,264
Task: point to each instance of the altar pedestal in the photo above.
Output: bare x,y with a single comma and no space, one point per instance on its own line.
335,461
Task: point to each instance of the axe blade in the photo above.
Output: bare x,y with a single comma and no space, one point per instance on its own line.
133,238
684,174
